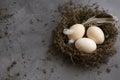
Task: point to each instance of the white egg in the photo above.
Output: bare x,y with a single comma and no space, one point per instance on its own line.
78,31
86,45
96,34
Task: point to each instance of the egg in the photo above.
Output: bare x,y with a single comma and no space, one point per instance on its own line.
86,45
76,31
96,34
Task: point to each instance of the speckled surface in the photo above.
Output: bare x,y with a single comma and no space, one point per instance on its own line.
30,36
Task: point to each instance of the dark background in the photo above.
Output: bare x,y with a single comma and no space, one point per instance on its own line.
30,32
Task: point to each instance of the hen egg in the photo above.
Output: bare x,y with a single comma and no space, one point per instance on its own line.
86,45
96,34
78,32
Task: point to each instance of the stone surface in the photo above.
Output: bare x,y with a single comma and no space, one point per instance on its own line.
30,36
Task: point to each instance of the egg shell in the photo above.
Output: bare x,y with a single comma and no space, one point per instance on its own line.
96,34
79,31
86,45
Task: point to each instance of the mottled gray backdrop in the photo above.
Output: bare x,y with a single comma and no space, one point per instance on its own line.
30,32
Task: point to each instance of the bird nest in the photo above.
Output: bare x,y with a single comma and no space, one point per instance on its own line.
72,14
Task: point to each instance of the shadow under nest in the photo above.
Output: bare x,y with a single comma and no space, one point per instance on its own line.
72,14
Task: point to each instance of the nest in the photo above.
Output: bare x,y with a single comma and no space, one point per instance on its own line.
72,14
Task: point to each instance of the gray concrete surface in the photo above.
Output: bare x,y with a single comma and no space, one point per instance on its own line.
25,45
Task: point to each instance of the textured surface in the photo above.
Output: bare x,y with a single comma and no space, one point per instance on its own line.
30,36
